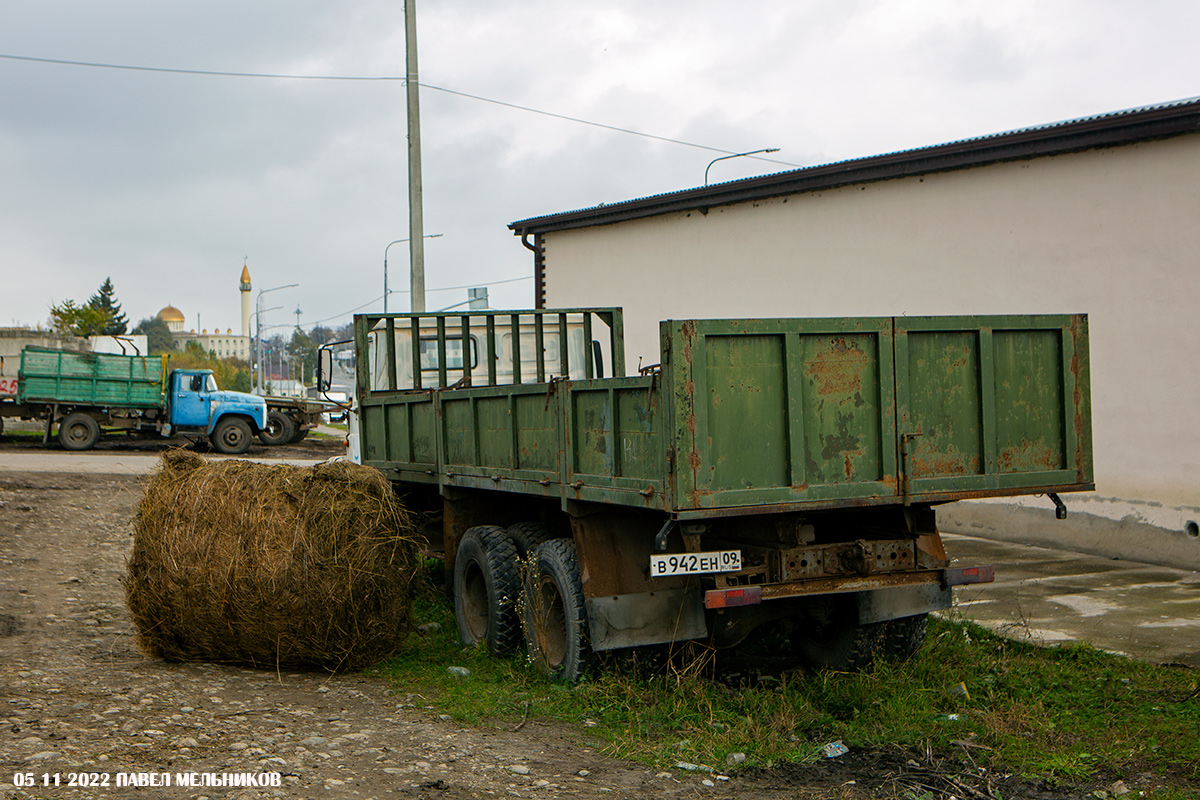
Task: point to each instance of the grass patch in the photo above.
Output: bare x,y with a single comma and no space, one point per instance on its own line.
1063,714
21,435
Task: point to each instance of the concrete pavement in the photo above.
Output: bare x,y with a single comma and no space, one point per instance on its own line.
1052,596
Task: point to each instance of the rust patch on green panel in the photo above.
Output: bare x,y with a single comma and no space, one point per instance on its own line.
838,369
849,456
936,464
1030,414
688,331
1028,457
841,401
945,404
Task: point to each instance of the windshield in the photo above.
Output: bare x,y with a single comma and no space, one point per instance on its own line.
210,384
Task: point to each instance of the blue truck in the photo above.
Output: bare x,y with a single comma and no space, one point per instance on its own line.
87,394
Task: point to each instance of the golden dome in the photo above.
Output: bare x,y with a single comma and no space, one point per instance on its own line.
171,314
246,276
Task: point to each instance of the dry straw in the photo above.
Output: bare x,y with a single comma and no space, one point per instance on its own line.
270,566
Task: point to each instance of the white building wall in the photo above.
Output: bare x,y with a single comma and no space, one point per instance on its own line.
1112,233
132,344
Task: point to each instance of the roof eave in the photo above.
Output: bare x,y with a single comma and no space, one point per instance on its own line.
1086,134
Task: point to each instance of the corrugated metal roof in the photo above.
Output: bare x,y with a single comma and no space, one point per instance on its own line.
1102,130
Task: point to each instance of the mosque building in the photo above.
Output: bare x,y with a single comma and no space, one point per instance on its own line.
222,344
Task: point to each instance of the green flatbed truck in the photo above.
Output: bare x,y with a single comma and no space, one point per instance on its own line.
84,394
776,472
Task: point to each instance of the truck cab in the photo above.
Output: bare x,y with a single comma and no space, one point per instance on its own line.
228,419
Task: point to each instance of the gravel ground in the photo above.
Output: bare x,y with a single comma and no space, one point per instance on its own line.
78,697
79,703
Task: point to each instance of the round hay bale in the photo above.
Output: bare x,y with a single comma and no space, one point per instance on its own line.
270,565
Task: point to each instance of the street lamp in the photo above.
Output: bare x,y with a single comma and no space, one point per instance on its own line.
258,310
737,155
385,251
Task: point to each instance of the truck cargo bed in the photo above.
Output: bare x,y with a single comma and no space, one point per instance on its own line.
750,416
91,379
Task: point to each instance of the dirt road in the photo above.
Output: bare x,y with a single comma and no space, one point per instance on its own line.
78,696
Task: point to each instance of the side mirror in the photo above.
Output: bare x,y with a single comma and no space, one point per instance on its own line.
324,369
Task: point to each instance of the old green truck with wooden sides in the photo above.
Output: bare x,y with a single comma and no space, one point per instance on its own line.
768,472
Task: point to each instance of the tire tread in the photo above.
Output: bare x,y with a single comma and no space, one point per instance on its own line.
499,564
549,557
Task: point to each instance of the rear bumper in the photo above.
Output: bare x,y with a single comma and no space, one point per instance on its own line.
939,580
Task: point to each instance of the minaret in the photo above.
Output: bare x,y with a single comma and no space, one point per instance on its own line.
245,288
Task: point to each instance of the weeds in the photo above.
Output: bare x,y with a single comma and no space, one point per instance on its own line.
1060,714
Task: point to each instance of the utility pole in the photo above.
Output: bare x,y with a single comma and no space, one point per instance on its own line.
258,389
416,220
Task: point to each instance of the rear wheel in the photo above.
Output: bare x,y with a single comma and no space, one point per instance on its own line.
835,639
280,429
527,536
231,436
555,614
298,436
485,590
903,637
78,432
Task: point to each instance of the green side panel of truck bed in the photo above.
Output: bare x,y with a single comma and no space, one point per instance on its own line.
993,403
775,412
772,415
92,379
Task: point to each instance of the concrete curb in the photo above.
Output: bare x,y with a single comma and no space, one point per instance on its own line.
1128,539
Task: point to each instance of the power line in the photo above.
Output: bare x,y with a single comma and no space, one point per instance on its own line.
392,78
594,124
406,291
209,72
467,286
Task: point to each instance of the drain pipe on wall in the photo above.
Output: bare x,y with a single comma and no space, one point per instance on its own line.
539,267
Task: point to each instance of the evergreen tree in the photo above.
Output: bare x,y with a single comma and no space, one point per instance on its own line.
69,319
158,335
105,301
304,351
319,335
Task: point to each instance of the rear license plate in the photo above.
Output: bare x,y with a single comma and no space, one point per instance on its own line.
695,563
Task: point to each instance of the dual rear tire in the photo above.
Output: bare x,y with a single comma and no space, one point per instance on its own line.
486,586
556,623
280,429
842,643
519,584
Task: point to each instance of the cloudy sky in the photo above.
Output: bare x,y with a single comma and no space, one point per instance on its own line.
167,182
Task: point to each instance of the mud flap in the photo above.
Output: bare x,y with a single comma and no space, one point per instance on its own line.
632,620
879,605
